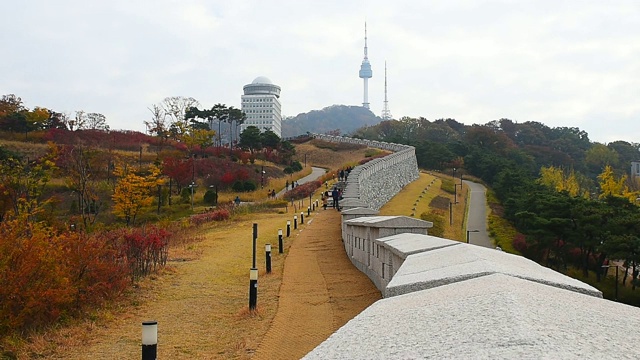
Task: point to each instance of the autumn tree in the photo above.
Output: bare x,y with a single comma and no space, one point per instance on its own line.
175,108
23,181
556,178
609,185
96,121
599,156
134,191
81,166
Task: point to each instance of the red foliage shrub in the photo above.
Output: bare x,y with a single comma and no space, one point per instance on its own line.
520,243
228,178
45,275
145,249
302,191
215,215
366,160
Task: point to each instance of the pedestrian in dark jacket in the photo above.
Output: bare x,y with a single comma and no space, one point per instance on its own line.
335,194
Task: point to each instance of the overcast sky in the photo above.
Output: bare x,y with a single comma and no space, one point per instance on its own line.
573,63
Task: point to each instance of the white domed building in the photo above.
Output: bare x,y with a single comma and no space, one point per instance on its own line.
261,104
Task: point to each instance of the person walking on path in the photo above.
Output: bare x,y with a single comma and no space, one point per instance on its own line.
335,194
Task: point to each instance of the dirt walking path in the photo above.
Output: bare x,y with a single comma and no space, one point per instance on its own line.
321,290
201,303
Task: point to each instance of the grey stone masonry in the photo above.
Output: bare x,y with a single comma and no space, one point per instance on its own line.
359,235
353,213
490,317
391,252
461,261
378,180
445,299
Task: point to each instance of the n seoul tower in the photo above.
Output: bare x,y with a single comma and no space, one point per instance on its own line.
365,71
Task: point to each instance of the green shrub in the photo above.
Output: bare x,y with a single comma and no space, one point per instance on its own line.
503,233
249,186
437,218
210,197
371,152
448,186
238,186
296,166
185,195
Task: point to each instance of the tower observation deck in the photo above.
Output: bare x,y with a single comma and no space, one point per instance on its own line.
365,71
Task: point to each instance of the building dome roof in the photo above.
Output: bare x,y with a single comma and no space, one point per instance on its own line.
262,80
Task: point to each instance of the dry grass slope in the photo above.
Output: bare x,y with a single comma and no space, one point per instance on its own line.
201,299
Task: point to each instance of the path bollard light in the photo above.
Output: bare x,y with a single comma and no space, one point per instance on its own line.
288,228
267,250
253,289
308,210
149,340
301,217
295,222
280,241
255,238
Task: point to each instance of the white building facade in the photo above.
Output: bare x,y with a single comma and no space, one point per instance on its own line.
261,105
635,169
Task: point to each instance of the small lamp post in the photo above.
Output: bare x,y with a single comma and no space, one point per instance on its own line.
470,231
149,340
617,272
455,192
192,186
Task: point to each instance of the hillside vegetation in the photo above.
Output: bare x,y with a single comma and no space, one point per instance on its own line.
336,119
569,203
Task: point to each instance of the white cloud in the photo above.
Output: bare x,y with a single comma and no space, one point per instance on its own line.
563,63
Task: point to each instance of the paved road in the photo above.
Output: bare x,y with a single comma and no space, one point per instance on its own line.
477,218
316,172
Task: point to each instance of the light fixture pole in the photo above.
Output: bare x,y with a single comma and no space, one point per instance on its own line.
470,231
192,186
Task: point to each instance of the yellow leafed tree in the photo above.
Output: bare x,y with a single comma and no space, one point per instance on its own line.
133,192
555,178
610,186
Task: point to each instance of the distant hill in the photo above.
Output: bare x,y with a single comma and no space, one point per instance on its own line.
343,118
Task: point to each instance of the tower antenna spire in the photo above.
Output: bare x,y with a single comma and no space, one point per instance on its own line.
365,70
386,113
366,57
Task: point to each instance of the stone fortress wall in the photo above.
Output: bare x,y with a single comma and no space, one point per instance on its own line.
378,180
470,292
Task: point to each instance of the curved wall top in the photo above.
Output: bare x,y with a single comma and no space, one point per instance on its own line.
378,180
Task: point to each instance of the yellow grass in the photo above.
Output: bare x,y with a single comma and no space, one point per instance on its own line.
29,150
260,194
428,186
213,275
326,158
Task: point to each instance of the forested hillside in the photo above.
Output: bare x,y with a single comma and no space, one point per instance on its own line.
336,119
572,201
